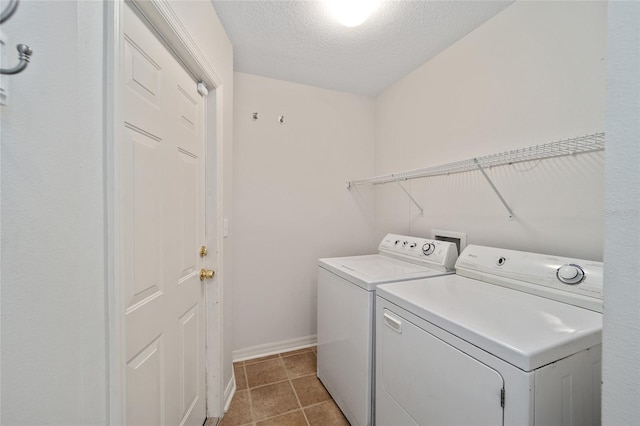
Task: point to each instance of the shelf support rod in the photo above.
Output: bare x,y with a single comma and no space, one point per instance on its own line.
475,160
411,198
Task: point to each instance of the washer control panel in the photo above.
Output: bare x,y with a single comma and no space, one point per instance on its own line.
569,280
421,250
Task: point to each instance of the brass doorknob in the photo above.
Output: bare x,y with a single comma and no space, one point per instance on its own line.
206,274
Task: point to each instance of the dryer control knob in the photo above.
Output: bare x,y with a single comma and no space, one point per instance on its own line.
428,248
570,274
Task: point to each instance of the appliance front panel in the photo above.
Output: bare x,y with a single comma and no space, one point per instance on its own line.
345,341
422,380
567,392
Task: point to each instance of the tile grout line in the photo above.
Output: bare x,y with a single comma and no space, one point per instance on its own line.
273,417
289,379
301,407
246,381
253,416
304,413
286,412
286,370
283,380
297,398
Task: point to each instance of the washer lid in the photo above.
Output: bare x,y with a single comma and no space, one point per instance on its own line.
522,329
370,270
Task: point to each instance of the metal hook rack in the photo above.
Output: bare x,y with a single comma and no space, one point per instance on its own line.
24,51
572,146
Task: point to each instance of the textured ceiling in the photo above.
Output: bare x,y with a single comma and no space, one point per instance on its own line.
298,41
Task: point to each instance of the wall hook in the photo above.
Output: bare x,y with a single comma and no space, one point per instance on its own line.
8,11
281,119
24,54
24,51
254,116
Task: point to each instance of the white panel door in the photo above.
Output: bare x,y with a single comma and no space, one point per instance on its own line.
163,195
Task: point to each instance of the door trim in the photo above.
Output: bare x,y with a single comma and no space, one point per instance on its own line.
161,15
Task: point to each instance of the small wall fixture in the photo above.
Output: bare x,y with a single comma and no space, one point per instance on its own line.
255,116
24,51
8,11
24,55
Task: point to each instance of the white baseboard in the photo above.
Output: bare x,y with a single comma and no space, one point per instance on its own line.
229,392
274,348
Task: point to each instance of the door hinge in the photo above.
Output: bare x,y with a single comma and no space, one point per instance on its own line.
502,397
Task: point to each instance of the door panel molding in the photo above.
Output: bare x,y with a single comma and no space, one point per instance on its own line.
164,19
147,376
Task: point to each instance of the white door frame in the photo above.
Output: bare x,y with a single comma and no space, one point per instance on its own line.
167,23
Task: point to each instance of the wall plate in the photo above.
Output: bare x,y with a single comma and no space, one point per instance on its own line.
459,238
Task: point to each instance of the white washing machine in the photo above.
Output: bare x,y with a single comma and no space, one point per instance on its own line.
346,297
512,338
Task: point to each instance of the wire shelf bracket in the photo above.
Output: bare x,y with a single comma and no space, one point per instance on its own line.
486,176
411,198
573,146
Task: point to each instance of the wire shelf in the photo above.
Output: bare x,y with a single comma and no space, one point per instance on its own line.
578,145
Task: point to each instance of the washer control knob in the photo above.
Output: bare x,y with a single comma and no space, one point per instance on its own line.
428,248
404,244
397,242
501,261
570,274
412,245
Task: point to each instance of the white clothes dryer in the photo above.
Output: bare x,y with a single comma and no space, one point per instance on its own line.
512,338
346,297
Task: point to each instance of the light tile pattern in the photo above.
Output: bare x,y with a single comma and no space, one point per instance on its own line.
281,390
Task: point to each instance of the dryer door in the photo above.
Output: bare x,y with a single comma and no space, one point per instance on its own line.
421,380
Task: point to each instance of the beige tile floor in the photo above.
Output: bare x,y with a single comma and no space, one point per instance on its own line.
281,390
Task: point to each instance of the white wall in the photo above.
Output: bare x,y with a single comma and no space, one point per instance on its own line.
53,228
291,204
621,373
533,74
